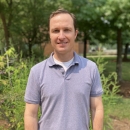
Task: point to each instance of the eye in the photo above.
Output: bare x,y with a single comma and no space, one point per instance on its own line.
55,31
66,30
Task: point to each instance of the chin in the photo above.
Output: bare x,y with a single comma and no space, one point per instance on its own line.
60,51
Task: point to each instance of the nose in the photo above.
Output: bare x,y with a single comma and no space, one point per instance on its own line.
61,35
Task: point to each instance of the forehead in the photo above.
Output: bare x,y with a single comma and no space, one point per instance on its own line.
61,19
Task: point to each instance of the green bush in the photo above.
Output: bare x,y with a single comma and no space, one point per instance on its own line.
13,93
14,83
110,88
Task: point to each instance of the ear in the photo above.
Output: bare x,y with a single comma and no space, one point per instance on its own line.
76,33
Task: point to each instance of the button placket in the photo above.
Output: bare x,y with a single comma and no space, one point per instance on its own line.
62,71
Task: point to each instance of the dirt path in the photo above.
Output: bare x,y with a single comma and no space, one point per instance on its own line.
121,124
4,124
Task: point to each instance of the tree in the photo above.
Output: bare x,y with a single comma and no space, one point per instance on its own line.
6,8
31,23
126,42
99,17
88,18
117,14
26,22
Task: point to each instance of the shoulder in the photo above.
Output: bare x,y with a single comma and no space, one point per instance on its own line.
38,68
39,65
86,62
87,66
37,71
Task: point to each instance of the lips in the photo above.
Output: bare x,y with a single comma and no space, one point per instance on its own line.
62,43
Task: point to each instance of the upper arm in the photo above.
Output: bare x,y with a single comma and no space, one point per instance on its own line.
96,102
31,110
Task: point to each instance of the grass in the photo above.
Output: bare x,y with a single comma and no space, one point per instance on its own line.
121,109
111,67
126,71
118,110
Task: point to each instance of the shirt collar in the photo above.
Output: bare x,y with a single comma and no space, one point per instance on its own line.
52,63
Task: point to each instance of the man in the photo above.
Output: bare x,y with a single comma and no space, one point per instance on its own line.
65,86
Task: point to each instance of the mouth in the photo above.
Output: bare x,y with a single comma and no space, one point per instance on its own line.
62,43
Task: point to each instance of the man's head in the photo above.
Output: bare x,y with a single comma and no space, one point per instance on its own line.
62,11
63,33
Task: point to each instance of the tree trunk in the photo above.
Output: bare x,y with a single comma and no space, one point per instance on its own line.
125,58
30,49
119,55
85,45
6,22
6,32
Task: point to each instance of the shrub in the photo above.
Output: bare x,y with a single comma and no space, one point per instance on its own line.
14,81
110,88
16,74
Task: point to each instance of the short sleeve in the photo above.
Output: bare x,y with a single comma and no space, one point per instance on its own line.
32,93
96,89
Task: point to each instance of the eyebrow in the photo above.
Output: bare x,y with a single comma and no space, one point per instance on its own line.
63,28
53,29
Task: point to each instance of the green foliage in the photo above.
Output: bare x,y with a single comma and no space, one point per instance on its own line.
117,12
117,110
13,91
13,104
110,88
111,67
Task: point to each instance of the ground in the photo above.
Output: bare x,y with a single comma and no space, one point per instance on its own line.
118,124
123,124
4,124
125,89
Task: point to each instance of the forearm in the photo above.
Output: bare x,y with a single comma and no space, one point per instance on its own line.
30,123
97,119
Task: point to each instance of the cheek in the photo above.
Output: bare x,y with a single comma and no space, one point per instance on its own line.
53,37
53,41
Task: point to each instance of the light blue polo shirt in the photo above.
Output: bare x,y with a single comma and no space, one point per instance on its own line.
64,97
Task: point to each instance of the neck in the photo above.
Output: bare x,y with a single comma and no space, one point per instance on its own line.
63,57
